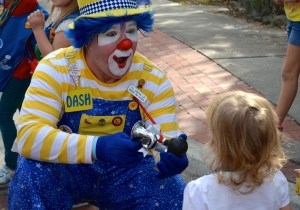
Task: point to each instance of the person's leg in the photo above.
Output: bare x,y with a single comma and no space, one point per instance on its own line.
40,185
11,100
290,71
138,188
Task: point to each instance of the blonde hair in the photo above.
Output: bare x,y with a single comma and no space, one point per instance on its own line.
72,8
245,139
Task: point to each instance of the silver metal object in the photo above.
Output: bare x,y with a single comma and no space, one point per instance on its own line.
141,134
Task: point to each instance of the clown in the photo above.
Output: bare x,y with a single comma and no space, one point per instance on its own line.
119,44
74,129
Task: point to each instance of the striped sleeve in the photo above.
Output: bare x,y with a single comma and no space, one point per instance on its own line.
38,136
161,103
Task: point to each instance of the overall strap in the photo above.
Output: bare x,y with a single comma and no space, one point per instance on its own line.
147,69
142,80
74,71
145,73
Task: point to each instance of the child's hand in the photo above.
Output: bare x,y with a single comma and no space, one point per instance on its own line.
36,20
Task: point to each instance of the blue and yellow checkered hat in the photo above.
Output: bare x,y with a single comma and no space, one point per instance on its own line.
117,8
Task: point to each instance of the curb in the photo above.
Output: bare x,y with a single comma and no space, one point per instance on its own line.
292,148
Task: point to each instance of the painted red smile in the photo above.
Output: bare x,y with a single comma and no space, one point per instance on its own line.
121,61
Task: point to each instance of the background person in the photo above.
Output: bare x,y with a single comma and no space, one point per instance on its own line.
247,157
16,53
78,112
50,34
291,66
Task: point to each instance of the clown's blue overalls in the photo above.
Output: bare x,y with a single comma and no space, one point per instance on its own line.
41,185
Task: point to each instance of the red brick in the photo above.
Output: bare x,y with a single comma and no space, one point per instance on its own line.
200,137
3,202
196,81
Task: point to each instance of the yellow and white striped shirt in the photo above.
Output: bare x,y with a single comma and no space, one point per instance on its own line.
38,136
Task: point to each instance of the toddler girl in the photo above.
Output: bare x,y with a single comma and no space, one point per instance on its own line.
247,158
49,34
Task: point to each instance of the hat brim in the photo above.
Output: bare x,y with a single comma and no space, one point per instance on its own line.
115,13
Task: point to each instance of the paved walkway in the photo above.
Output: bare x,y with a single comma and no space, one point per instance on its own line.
196,80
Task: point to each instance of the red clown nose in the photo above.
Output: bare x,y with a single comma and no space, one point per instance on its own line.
125,44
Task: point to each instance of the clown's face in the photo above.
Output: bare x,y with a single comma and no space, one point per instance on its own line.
110,54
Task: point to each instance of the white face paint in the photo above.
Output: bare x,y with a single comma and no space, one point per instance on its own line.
119,60
110,36
114,33
131,31
118,69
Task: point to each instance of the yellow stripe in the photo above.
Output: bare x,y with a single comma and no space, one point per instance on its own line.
165,110
170,126
47,79
82,3
115,13
41,92
63,154
81,149
33,117
153,78
67,87
44,107
30,138
168,93
107,95
47,145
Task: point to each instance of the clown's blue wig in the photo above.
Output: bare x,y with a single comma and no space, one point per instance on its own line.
86,28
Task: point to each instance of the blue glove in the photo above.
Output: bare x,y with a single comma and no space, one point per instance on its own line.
170,164
119,150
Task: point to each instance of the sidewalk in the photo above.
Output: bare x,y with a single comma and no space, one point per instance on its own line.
250,52
205,54
198,76
197,80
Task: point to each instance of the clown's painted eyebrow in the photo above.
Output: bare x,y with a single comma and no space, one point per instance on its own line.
130,24
113,28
